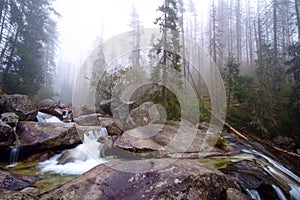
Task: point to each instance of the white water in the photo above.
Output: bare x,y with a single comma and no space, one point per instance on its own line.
84,157
279,192
43,117
294,192
253,194
14,154
280,173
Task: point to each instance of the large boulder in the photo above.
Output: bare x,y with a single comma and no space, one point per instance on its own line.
79,110
54,108
6,135
111,126
87,120
171,138
148,113
34,137
19,104
50,107
97,120
46,104
152,179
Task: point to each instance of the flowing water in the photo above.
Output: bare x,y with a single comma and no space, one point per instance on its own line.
80,159
280,173
43,117
279,192
85,156
14,154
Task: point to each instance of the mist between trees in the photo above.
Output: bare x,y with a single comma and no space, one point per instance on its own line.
254,44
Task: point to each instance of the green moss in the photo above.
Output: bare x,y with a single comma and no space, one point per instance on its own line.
221,143
45,181
223,161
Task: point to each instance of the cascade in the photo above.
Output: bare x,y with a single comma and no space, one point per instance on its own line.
80,159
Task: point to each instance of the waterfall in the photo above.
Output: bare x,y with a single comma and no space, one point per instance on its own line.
14,154
294,192
43,117
279,192
280,173
253,194
80,159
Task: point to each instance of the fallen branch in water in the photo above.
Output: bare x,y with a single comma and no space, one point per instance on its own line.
245,138
288,152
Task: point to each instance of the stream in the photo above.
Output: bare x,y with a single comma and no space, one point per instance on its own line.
71,163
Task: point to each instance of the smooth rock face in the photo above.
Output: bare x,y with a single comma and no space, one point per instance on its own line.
37,137
153,179
15,182
168,138
6,135
19,104
87,120
85,110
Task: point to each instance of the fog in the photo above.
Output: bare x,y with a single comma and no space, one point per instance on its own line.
83,22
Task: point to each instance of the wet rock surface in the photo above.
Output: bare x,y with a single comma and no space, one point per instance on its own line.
15,182
170,138
54,108
37,137
20,105
253,177
87,120
154,178
6,135
111,126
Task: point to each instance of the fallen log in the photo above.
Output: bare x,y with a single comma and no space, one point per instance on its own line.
239,134
287,152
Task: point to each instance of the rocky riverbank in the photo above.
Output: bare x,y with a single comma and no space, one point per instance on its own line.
148,158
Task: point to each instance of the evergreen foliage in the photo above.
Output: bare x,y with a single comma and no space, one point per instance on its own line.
28,43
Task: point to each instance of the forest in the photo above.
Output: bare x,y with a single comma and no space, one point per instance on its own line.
254,44
28,43
204,104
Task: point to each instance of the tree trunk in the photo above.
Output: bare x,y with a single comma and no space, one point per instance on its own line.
297,4
163,89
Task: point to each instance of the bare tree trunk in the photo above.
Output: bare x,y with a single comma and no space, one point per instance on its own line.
275,29
297,4
214,34
183,46
238,33
163,89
